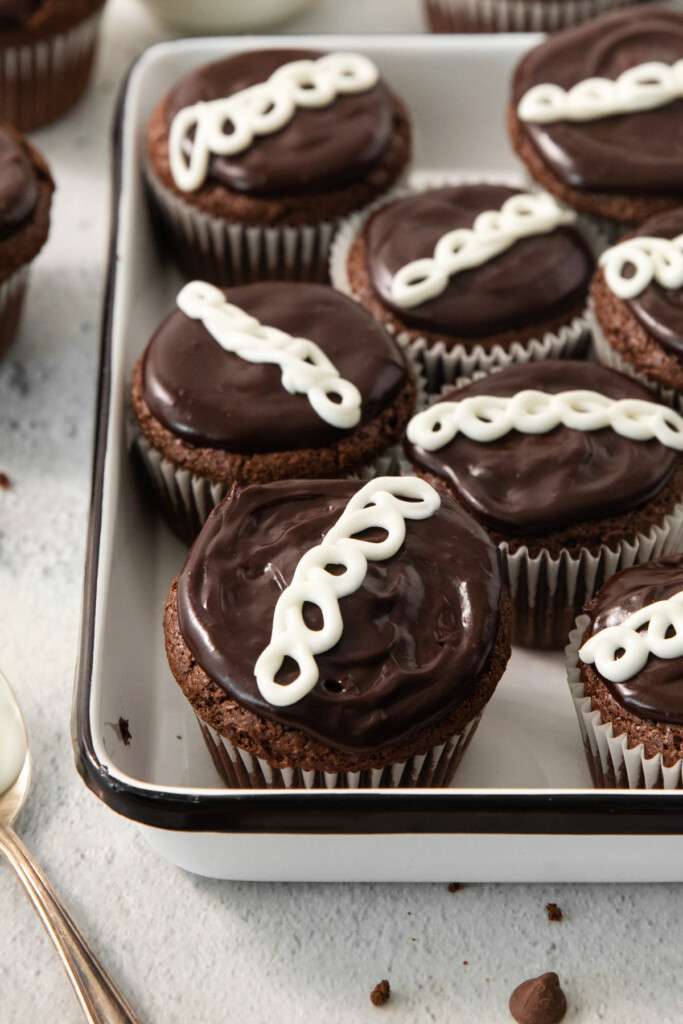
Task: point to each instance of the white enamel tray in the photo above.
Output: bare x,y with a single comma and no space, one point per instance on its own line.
522,807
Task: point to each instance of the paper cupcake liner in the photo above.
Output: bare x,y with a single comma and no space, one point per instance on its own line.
608,356
238,769
513,15
12,291
612,763
43,80
442,362
224,253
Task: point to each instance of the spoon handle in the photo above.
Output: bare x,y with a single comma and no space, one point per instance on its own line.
99,999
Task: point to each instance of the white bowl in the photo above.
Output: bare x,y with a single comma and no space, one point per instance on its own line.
225,16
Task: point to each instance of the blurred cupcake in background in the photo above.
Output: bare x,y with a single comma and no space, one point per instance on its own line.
512,15
47,48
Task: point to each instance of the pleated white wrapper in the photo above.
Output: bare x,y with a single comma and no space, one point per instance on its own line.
443,362
546,588
612,763
609,357
239,769
513,15
37,77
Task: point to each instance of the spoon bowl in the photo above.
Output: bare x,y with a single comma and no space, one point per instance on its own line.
99,999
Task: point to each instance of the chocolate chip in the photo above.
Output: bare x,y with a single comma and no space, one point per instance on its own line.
539,1001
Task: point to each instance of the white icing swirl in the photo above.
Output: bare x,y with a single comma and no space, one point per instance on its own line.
261,110
306,370
487,418
385,502
652,259
493,232
643,87
601,649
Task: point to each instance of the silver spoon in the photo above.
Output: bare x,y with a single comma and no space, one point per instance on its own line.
99,999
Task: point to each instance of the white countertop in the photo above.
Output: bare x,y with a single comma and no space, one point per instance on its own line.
187,950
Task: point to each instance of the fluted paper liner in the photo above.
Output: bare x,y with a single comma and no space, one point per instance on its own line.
608,356
612,763
12,291
227,253
238,769
443,361
513,15
44,79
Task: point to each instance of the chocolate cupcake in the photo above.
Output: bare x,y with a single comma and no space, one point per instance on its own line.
26,189
268,381
625,665
512,15
47,49
469,277
338,634
637,306
314,137
573,486
611,148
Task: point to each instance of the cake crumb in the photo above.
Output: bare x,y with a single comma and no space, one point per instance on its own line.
380,993
465,963
5,482
554,912
124,730
455,886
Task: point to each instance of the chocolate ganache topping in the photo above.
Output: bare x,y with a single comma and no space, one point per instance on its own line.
19,191
537,279
417,635
636,153
660,310
319,149
211,397
536,484
656,692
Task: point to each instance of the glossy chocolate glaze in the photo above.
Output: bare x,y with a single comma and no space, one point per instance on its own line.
660,310
656,692
535,484
212,398
19,190
417,636
319,148
537,279
639,153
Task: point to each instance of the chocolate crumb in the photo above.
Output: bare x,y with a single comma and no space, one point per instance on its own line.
465,963
455,886
539,1000
124,730
380,993
554,912
5,482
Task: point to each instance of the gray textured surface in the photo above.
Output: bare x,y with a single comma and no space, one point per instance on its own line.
188,950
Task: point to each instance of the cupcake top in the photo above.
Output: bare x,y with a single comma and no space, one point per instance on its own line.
38,14
19,188
648,276
250,401
518,275
316,148
417,632
533,484
635,145
642,662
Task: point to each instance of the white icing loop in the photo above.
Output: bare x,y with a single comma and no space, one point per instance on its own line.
601,649
487,418
305,368
493,232
261,110
385,502
651,259
643,87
